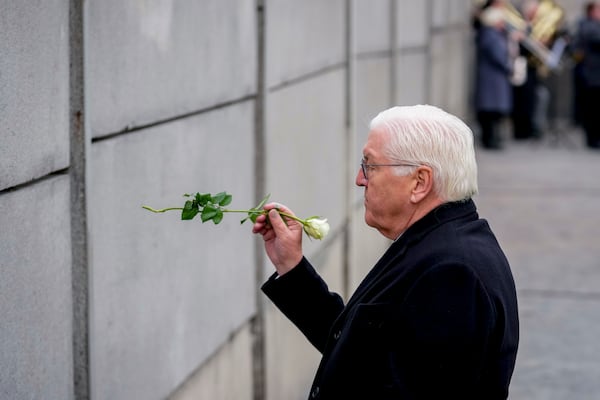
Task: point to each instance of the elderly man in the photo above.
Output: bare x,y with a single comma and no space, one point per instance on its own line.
436,317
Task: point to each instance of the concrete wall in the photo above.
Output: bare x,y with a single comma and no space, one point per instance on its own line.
178,97
35,258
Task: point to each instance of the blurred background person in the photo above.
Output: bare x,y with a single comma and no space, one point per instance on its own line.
588,41
525,94
541,23
576,53
494,67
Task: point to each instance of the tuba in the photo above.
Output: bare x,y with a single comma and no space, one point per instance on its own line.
539,31
547,21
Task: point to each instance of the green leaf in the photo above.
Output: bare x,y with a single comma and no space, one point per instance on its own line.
208,213
219,197
218,218
189,214
226,200
253,213
262,202
190,210
203,199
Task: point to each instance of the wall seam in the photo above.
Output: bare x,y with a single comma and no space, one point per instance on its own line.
428,55
35,181
305,77
372,54
78,203
393,55
257,324
212,356
348,107
176,118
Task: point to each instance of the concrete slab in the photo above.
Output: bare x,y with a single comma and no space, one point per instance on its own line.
35,292
411,73
214,379
447,55
167,293
372,25
445,13
373,90
173,58
306,155
34,87
293,29
373,94
412,23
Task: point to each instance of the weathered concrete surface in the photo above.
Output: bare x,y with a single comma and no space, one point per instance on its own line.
305,148
215,378
541,200
372,25
166,293
293,31
35,292
34,90
171,58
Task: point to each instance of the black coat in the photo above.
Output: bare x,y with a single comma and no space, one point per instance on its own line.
589,40
435,318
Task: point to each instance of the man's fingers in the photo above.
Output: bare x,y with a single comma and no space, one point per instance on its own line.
273,224
260,224
280,207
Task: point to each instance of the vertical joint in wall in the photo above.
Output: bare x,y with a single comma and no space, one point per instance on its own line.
393,52
258,322
349,127
78,204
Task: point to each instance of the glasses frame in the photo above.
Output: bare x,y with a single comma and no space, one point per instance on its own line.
364,167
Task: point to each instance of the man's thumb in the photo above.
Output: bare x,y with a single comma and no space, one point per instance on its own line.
276,221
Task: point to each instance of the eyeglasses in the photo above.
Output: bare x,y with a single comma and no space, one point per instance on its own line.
366,167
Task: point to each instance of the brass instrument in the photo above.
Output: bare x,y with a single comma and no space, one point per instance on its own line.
547,21
538,32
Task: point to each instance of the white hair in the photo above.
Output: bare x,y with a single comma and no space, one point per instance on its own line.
430,136
492,16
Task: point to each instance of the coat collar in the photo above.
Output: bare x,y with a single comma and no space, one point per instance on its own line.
436,217
439,215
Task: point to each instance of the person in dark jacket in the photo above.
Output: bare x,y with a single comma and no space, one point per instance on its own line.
526,104
436,317
588,39
494,67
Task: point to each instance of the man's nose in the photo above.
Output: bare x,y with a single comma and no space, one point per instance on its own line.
360,180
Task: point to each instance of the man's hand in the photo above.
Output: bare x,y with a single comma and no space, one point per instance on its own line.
283,239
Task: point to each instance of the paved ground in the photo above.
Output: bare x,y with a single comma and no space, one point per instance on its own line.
543,201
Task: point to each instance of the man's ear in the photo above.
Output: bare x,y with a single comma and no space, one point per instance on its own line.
422,183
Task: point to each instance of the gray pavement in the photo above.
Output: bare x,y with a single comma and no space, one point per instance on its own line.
542,199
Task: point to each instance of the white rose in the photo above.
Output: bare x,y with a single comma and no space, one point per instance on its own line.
316,227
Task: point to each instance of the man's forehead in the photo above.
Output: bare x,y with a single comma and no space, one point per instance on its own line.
373,145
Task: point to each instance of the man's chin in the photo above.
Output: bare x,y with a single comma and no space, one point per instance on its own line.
368,219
